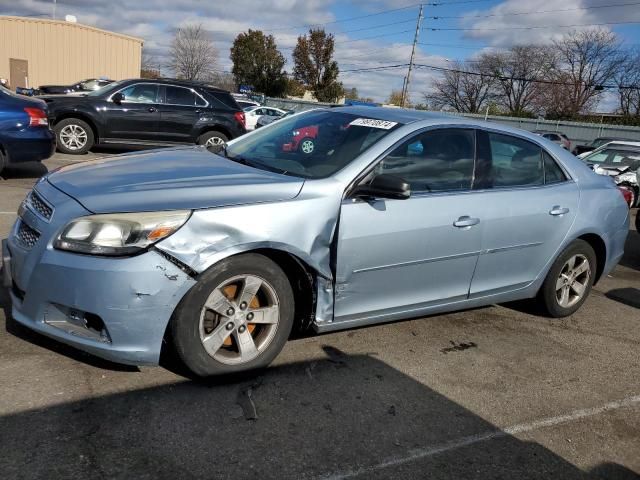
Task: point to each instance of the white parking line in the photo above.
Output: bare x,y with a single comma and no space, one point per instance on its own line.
430,451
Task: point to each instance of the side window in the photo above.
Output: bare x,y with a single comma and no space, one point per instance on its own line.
434,161
552,172
506,161
180,96
140,93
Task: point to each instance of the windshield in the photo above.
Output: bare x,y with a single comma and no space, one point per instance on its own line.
311,145
615,157
106,89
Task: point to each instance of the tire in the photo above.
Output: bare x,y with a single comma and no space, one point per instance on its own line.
67,143
634,198
212,138
3,161
213,314
306,146
564,278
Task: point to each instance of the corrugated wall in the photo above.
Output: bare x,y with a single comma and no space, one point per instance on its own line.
60,52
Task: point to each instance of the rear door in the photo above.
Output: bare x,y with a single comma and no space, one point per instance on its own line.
136,117
528,204
180,112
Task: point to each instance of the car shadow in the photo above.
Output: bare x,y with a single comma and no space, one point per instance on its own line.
24,170
339,416
629,296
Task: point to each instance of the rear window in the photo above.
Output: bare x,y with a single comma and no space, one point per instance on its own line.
222,100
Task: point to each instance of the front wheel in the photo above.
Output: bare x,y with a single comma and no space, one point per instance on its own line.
74,136
569,281
237,317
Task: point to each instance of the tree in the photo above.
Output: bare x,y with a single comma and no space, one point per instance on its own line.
463,88
295,88
586,60
314,66
515,72
352,94
225,81
149,66
192,54
395,98
628,82
257,62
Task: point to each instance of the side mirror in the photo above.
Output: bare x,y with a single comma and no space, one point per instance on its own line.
117,98
384,186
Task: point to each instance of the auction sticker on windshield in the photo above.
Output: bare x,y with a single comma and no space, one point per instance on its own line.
373,123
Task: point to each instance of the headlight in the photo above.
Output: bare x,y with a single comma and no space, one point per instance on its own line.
119,233
626,177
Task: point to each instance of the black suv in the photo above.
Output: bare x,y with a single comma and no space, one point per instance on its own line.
145,112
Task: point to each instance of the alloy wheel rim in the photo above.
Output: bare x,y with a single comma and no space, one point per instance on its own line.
307,146
239,320
73,137
214,141
573,281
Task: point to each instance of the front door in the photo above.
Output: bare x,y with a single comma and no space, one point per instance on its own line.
528,205
18,73
400,256
136,117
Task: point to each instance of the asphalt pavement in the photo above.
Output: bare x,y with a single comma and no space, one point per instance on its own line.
495,392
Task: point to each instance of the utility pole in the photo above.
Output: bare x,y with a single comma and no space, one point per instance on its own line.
405,90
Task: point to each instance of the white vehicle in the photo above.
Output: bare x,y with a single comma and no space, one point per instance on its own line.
251,114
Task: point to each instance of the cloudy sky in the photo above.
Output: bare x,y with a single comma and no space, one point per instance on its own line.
369,33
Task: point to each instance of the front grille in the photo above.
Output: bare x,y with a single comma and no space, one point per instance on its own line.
26,235
39,206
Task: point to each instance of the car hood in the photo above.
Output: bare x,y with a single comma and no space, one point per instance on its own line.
170,179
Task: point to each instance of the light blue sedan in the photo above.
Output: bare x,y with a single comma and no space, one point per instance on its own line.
393,214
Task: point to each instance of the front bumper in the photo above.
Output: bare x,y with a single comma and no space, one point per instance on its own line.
114,308
132,299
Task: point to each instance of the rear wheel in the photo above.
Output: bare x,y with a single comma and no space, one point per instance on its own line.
569,281
237,317
212,139
74,136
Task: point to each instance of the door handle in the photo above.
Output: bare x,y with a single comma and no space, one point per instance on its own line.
558,210
153,109
466,221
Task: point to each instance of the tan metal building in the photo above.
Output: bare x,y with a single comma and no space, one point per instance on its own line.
36,52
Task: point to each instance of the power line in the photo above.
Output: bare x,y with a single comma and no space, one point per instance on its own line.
371,69
439,17
532,27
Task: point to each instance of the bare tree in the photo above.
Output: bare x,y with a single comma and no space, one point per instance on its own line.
463,87
192,54
628,82
586,60
149,65
516,71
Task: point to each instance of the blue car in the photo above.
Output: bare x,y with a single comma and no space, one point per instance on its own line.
24,130
222,251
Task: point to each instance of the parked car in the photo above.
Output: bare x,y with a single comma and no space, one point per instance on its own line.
83,86
620,160
24,130
581,150
265,120
221,254
301,140
556,137
253,113
145,112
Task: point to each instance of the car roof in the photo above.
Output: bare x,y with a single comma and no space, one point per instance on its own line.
180,83
621,143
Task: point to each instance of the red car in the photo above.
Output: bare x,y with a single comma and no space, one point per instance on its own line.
302,139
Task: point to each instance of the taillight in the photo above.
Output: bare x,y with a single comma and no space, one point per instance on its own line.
37,117
239,116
